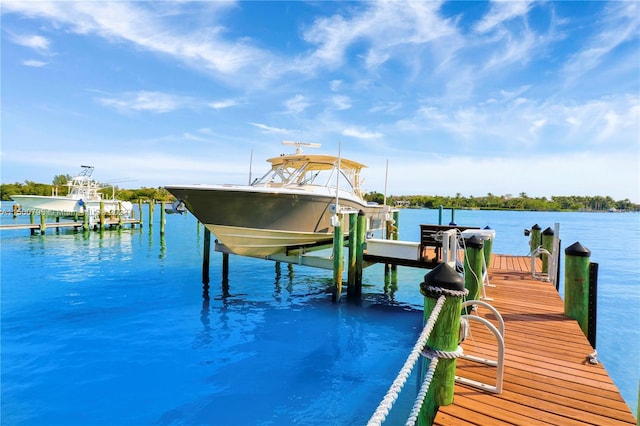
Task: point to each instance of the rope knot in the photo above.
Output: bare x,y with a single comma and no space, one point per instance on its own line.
436,353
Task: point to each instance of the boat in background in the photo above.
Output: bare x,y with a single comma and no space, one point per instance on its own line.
82,196
290,207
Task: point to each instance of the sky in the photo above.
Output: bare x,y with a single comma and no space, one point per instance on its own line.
443,97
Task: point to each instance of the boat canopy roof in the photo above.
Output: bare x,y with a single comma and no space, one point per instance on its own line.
315,162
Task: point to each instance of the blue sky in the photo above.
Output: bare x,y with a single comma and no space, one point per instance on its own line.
458,97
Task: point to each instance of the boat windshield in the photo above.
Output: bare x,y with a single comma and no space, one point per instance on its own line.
318,170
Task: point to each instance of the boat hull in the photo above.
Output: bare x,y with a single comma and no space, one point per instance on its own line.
65,206
260,222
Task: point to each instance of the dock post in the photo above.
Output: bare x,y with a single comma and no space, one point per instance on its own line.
488,246
151,206
473,257
205,256
32,220
535,240
120,216
445,336
351,269
43,224
16,208
453,217
140,212
338,257
361,224
162,218
225,266
102,215
85,218
576,287
547,244
440,214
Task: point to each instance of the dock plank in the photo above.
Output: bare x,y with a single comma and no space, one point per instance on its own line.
547,376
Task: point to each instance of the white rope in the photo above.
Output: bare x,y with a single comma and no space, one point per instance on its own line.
424,388
391,396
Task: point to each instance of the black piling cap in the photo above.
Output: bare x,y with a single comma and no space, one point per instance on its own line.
442,276
547,231
360,212
577,249
536,227
452,223
487,227
474,242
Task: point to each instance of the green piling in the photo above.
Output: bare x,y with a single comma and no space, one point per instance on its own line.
43,224
140,212
101,215
536,238
576,284
151,206
488,246
360,245
440,214
351,269
120,216
473,255
85,219
162,218
445,336
338,259
547,244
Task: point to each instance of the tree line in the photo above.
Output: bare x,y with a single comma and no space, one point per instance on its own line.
508,202
489,201
59,186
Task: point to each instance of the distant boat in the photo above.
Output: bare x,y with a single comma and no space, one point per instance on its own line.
82,195
290,207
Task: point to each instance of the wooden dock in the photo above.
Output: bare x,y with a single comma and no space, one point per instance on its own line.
548,379
65,224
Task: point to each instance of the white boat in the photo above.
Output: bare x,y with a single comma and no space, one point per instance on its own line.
290,207
82,196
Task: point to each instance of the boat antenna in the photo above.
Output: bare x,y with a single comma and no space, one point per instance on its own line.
250,165
299,145
335,220
386,175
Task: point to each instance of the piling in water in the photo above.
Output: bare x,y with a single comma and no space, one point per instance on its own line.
442,280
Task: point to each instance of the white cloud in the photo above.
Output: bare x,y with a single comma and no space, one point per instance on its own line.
34,63
361,134
36,42
227,103
502,11
297,104
619,24
269,129
149,101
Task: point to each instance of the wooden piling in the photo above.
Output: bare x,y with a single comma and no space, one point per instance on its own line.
473,256
445,336
338,258
547,244
32,220
205,256
351,266
536,238
361,225
43,223
101,215
151,206
225,267
576,285
162,218
85,218
140,212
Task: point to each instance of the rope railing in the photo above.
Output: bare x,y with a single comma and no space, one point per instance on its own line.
391,396
443,289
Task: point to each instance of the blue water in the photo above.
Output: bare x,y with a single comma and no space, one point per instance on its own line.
113,328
